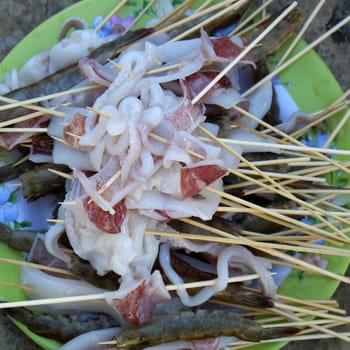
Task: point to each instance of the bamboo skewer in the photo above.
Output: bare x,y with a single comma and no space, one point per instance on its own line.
242,344
21,130
246,241
202,6
37,266
216,7
120,5
251,17
47,97
244,52
140,15
336,130
216,16
51,111
284,175
298,212
320,119
321,171
302,31
316,326
101,296
298,55
279,189
315,172
22,119
257,245
174,14
298,161
303,149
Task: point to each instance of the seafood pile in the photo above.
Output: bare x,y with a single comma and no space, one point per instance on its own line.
139,157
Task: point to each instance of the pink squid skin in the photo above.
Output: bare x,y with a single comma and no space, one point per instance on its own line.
196,178
106,222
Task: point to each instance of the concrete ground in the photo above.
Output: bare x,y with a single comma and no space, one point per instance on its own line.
19,17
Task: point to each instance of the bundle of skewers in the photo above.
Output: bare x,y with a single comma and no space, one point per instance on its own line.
182,198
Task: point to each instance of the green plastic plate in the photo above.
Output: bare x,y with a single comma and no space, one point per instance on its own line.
309,82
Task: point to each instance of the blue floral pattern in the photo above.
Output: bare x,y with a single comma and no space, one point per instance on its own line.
116,25
9,212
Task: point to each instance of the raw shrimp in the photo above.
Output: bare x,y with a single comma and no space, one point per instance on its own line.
197,325
61,327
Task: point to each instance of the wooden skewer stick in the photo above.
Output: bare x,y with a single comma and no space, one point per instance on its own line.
312,151
285,176
298,212
251,17
297,161
312,171
336,130
327,326
289,147
303,323
298,55
242,344
339,101
306,229
296,230
21,161
257,245
317,327
51,111
101,296
58,139
22,119
140,15
20,130
302,31
61,173
280,190
321,118
251,27
56,221
15,285
47,97
164,69
321,314
37,266
244,52
216,7
110,15
174,14
309,163
247,241
212,18
202,6
321,171
315,304
119,67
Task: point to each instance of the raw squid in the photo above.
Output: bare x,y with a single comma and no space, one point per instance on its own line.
138,161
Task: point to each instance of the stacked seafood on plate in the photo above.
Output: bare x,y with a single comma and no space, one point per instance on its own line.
183,186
